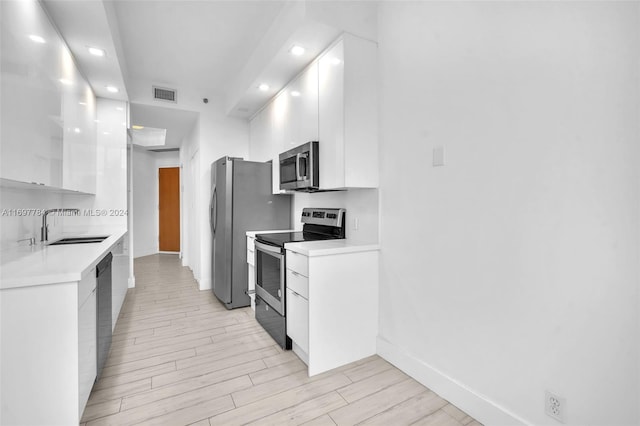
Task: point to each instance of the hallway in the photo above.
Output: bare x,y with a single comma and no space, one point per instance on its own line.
178,357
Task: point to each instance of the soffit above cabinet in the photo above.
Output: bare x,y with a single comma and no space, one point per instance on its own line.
85,24
314,25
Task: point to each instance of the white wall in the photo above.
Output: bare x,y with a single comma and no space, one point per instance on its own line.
145,198
145,210
219,136
361,204
16,225
190,160
514,268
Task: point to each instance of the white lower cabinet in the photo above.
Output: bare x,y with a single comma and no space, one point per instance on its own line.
251,271
298,320
332,307
87,345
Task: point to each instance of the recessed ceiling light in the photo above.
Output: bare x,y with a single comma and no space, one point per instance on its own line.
65,82
119,109
112,89
295,93
136,127
296,50
77,130
264,87
106,133
96,51
37,38
336,61
82,103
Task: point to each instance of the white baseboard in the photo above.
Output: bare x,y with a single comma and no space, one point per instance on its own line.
132,282
204,284
473,403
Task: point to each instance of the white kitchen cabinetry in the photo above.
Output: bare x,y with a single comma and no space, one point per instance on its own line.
251,271
298,322
289,120
87,345
48,359
348,114
333,101
301,120
332,307
48,330
48,133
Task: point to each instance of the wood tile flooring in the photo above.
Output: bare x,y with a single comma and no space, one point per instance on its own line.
178,357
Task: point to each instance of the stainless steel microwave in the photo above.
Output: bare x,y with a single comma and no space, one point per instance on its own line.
299,168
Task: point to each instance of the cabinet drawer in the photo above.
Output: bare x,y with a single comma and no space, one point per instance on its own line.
298,283
298,319
298,263
251,257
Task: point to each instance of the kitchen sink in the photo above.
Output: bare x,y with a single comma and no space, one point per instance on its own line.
78,240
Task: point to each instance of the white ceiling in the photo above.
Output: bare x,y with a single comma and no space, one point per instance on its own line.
196,44
177,122
202,48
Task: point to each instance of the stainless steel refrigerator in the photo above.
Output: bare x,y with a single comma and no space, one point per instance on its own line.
241,201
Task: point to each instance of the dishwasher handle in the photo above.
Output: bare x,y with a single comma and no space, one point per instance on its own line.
104,264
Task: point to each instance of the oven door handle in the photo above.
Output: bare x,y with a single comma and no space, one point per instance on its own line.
268,248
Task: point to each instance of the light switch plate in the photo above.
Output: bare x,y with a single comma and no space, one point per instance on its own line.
438,156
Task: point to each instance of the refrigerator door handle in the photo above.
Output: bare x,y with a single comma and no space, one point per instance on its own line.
213,210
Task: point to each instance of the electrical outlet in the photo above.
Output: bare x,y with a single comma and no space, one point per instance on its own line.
438,156
554,406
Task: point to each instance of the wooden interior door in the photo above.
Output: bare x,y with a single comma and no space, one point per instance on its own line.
169,206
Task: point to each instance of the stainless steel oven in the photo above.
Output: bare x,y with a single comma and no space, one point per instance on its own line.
270,266
270,270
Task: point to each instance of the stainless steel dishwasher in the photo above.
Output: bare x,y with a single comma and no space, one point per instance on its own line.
103,311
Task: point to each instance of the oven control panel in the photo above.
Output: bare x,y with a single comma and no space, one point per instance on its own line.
323,216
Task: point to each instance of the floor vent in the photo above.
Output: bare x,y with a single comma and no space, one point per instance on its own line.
163,94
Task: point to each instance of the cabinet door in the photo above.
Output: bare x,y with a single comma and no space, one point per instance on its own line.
279,109
79,142
87,357
48,131
331,117
302,120
298,319
33,80
260,135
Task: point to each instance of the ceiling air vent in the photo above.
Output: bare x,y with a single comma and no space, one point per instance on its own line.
167,95
164,149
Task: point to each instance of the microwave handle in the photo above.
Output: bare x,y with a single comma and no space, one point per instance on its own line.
299,156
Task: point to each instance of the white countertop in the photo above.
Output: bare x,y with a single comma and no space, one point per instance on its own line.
252,234
40,264
330,247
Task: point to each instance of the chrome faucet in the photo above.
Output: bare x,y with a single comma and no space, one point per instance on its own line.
44,231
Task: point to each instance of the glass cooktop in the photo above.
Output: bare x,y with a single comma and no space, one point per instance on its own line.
280,238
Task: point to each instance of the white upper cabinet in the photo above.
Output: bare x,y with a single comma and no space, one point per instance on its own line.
79,142
333,101
348,121
48,110
302,112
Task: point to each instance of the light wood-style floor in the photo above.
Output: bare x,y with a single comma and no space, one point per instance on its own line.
178,357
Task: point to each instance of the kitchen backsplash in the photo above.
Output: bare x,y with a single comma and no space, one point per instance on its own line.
21,215
361,205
